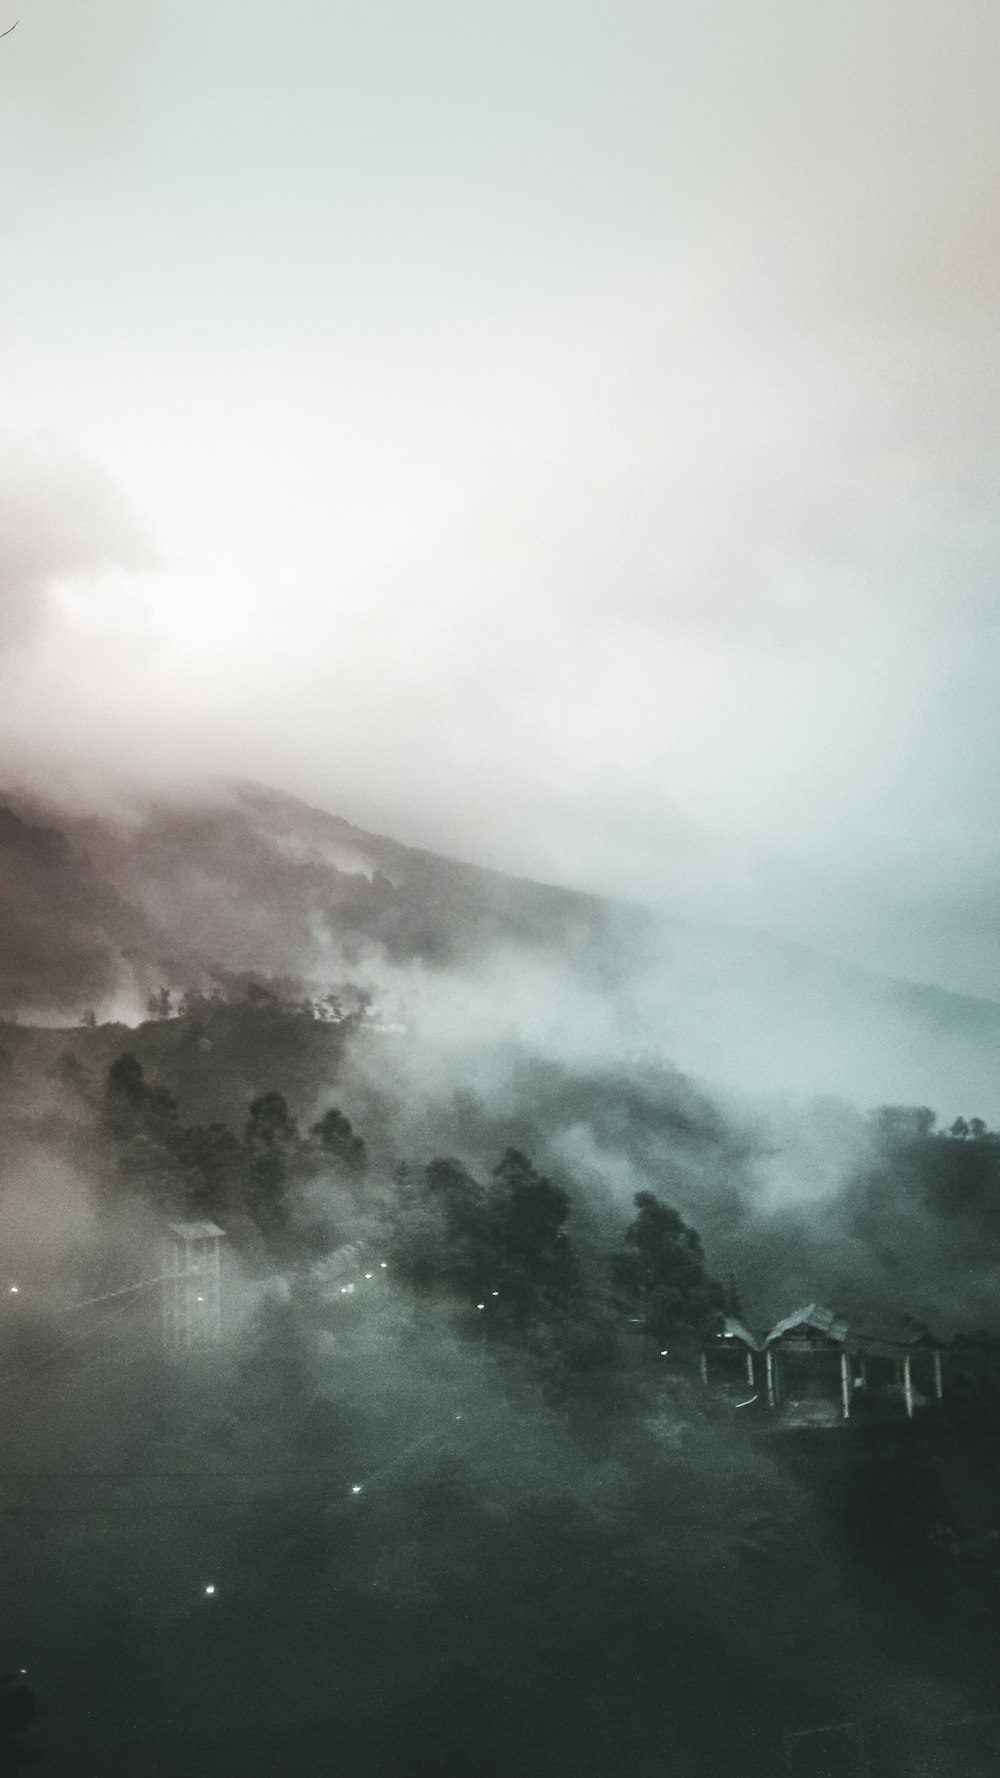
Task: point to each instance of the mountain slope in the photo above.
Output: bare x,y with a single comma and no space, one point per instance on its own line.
102,911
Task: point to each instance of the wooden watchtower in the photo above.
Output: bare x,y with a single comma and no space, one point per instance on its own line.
192,1280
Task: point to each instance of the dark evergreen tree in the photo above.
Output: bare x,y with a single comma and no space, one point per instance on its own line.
441,1233
663,1277
141,1121
124,1097
209,1156
461,1204
270,1142
338,1142
535,1267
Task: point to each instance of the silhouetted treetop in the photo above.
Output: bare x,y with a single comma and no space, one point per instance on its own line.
663,1275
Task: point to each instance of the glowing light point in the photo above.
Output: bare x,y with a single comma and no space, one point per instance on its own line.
210,1589
356,1488
494,1293
201,1299
480,1305
665,1352
369,1274
343,1290
15,1290
383,1263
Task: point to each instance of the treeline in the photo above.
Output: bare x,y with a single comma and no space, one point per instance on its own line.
502,1247
918,1123
204,1170
335,1008
950,1173
499,1248
905,1229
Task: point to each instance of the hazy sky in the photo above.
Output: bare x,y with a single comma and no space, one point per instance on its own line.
566,435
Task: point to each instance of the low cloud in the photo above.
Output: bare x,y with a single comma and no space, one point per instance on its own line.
62,519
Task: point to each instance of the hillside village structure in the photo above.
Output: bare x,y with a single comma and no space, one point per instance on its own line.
191,1277
813,1366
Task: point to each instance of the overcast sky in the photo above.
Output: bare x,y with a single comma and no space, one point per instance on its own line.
561,434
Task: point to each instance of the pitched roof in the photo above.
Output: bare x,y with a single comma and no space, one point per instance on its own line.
891,1335
735,1330
821,1320
195,1231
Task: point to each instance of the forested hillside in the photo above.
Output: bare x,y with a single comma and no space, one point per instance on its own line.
100,915
449,1486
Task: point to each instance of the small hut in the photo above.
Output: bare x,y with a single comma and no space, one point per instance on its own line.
730,1357
808,1365
899,1360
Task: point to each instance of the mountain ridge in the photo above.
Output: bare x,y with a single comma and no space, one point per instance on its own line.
250,881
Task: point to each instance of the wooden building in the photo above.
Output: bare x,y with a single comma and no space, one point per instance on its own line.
899,1363
807,1360
732,1357
813,1368
191,1282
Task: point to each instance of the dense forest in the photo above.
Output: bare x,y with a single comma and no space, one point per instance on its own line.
449,1495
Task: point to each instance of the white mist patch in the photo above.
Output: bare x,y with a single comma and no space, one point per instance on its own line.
582,1159
348,860
46,1211
508,999
810,1149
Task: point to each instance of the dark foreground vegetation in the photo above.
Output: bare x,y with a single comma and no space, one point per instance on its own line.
449,1498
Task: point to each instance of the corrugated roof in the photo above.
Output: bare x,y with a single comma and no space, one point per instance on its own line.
735,1330
892,1335
822,1320
195,1231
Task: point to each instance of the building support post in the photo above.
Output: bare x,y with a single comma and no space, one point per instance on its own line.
938,1389
769,1366
749,1367
703,1366
908,1387
845,1384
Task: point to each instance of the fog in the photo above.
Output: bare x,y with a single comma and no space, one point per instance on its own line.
563,439
498,796
375,1516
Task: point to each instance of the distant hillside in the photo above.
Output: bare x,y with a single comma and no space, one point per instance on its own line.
68,938
256,883
100,913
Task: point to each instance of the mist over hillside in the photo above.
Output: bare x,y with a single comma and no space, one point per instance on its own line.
246,944
100,912
447,1474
